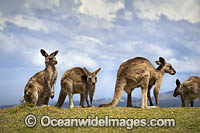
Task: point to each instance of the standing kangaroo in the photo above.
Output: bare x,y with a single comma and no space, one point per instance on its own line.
139,72
189,90
41,86
77,80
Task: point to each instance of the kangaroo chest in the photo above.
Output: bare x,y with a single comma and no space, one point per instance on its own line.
53,78
51,74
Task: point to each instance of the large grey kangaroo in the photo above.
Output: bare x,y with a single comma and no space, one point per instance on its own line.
139,72
41,86
77,80
189,90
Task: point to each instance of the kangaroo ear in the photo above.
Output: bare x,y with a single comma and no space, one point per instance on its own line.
178,83
54,53
86,71
43,52
162,60
97,71
158,62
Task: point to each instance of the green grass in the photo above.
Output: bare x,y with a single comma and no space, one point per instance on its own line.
12,119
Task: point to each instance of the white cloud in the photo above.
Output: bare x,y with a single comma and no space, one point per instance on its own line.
29,22
7,43
42,4
2,21
75,59
87,44
194,46
28,47
1,27
159,50
28,15
92,23
186,64
127,15
100,8
140,48
20,20
89,39
173,9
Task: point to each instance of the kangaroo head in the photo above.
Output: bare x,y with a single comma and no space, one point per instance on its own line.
91,77
49,59
163,65
178,89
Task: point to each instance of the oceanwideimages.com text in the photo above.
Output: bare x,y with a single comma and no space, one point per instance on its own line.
128,123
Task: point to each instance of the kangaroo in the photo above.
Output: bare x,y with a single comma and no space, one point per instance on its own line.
189,90
139,72
41,86
77,80
129,97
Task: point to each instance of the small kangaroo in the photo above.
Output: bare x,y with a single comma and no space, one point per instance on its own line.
189,90
77,80
139,72
41,86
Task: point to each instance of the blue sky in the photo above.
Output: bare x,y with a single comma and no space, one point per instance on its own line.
96,33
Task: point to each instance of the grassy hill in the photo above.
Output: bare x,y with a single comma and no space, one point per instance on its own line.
12,119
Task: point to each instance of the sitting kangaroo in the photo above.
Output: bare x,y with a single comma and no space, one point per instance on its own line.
77,80
189,90
139,72
41,86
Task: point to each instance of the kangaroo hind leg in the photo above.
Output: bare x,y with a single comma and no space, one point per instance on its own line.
129,99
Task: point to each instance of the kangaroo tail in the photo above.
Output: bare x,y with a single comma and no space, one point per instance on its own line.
62,96
120,84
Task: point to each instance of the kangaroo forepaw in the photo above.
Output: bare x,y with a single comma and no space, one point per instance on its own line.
52,95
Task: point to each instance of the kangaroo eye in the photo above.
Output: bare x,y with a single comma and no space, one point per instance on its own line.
170,67
90,79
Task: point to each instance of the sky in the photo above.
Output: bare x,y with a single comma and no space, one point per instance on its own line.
93,34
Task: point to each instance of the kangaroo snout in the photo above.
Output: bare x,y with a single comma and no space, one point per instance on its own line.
55,62
174,72
175,95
